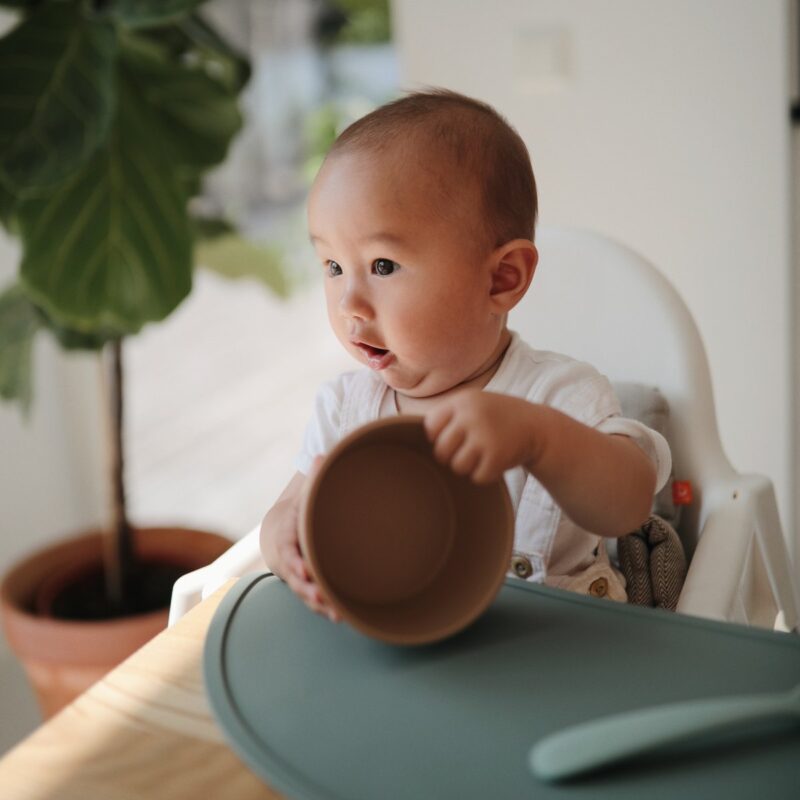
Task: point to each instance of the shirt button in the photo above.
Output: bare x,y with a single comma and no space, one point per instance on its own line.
599,587
522,566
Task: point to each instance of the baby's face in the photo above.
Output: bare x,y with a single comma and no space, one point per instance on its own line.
407,288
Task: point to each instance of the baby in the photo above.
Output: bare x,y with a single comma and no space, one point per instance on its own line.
422,217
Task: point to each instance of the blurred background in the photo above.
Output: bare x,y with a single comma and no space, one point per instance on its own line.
665,125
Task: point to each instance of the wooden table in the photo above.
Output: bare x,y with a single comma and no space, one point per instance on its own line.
144,731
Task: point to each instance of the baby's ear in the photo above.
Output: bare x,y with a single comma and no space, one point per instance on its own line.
513,265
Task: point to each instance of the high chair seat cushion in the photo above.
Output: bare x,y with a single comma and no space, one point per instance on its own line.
649,406
652,559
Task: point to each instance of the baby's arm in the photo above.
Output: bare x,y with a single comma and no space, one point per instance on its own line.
603,482
280,544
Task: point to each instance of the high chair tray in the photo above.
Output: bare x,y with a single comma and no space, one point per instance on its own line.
320,711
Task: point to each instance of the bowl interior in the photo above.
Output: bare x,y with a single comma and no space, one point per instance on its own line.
405,549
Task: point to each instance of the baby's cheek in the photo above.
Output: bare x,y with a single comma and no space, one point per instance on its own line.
440,327
420,330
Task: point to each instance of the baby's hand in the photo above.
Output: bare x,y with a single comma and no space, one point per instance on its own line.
481,434
281,540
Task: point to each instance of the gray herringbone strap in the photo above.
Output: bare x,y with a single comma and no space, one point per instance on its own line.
634,561
653,562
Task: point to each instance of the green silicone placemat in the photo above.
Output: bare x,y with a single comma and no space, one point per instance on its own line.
321,711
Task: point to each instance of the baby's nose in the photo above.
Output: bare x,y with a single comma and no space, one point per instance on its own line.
354,303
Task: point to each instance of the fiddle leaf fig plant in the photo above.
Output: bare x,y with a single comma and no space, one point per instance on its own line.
111,112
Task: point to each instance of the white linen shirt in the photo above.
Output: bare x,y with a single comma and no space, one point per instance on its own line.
554,545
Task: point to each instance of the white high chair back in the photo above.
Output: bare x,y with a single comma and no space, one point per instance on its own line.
600,302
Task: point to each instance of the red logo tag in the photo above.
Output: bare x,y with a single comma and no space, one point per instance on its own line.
681,493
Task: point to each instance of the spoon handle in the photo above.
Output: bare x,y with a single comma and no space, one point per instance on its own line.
603,741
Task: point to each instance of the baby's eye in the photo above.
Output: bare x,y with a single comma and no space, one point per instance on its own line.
334,269
383,266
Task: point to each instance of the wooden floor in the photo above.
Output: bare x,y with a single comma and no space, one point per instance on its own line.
218,397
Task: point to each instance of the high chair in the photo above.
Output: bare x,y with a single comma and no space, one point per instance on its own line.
600,302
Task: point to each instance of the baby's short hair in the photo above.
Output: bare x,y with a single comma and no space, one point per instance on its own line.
471,140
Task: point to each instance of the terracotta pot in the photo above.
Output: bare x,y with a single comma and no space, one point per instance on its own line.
405,549
62,657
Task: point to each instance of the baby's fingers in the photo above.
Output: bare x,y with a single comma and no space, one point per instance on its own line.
466,461
298,567
449,442
307,591
310,594
292,561
486,471
436,420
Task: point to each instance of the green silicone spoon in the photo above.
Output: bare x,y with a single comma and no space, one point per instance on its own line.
584,747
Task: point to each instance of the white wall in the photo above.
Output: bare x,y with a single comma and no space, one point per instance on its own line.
665,125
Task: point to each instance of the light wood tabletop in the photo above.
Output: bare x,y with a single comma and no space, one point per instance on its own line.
144,731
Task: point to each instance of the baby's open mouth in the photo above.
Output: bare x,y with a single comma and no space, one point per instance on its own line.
377,357
372,352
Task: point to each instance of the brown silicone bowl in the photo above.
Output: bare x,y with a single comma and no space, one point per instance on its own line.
405,549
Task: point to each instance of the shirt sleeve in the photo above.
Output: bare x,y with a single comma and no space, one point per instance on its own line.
583,393
652,442
322,430
578,390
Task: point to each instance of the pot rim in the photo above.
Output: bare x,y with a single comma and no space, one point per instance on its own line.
81,552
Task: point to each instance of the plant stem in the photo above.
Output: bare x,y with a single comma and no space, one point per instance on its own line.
119,549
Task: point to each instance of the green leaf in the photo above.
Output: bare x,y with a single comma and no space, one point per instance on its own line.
56,98
230,65
76,340
197,117
193,41
234,257
357,22
110,249
210,227
149,13
19,324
